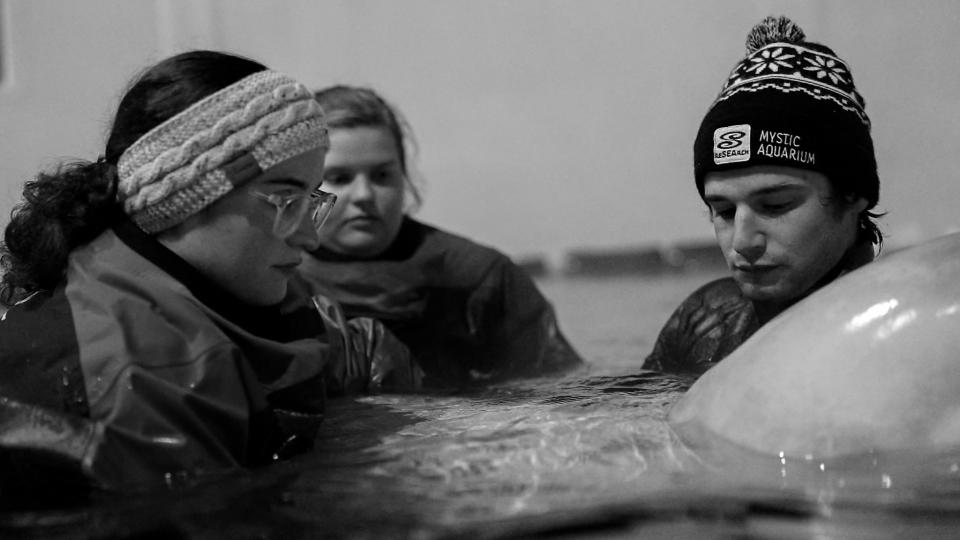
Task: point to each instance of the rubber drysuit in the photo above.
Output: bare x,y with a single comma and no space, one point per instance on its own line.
466,311
137,369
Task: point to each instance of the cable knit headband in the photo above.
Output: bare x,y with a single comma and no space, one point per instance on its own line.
194,158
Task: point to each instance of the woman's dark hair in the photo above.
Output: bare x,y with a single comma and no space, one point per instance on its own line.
354,106
69,207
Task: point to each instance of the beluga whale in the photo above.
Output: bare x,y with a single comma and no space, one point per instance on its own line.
868,363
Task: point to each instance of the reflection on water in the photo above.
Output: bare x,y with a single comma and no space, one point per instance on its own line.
585,455
522,448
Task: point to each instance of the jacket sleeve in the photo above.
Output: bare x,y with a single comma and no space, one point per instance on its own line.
366,357
518,326
669,353
206,415
41,454
704,328
162,424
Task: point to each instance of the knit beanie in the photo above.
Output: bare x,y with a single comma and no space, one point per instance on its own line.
790,103
220,142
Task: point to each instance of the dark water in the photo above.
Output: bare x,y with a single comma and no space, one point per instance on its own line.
587,455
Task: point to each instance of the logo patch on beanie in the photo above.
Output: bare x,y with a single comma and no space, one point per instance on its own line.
731,144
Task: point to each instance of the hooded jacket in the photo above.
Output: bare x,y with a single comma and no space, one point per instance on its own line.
137,369
466,311
716,318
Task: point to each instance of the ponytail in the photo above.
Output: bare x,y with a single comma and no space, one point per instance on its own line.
60,211
66,209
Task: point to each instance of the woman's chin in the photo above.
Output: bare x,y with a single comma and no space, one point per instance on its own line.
359,245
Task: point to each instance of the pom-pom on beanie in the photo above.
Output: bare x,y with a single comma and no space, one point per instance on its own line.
790,103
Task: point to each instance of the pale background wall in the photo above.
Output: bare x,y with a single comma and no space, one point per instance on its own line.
543,125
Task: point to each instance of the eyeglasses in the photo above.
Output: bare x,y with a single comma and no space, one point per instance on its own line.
291,209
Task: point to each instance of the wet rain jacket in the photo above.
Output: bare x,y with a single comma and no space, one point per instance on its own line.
137,369
717,318
466,311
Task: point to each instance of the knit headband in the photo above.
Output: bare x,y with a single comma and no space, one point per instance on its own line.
789,103
189,161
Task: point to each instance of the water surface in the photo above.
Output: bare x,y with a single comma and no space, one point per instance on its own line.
586,455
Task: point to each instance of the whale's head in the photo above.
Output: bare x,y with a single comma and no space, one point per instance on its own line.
870,362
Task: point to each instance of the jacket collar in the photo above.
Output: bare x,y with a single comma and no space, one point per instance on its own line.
266,322
409,238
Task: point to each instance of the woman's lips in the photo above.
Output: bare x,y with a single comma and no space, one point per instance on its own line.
363,221
364,217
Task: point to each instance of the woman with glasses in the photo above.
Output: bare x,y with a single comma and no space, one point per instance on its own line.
144,340
466,311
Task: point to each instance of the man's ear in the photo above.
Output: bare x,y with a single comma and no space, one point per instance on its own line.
858,203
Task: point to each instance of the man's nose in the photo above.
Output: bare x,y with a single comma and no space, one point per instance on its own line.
749,240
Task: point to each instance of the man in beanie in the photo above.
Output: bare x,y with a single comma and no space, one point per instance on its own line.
785,163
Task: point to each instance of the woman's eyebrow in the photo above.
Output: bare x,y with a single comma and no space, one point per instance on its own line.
287,181
369,164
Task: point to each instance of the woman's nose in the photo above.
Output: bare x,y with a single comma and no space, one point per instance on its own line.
361,188
306,236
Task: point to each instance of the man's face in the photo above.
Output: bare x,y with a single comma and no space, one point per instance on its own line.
780,229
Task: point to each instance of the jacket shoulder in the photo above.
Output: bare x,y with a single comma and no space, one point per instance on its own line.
703,329
40,354
716,293
462,257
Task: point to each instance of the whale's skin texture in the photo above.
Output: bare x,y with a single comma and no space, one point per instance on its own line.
870,362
